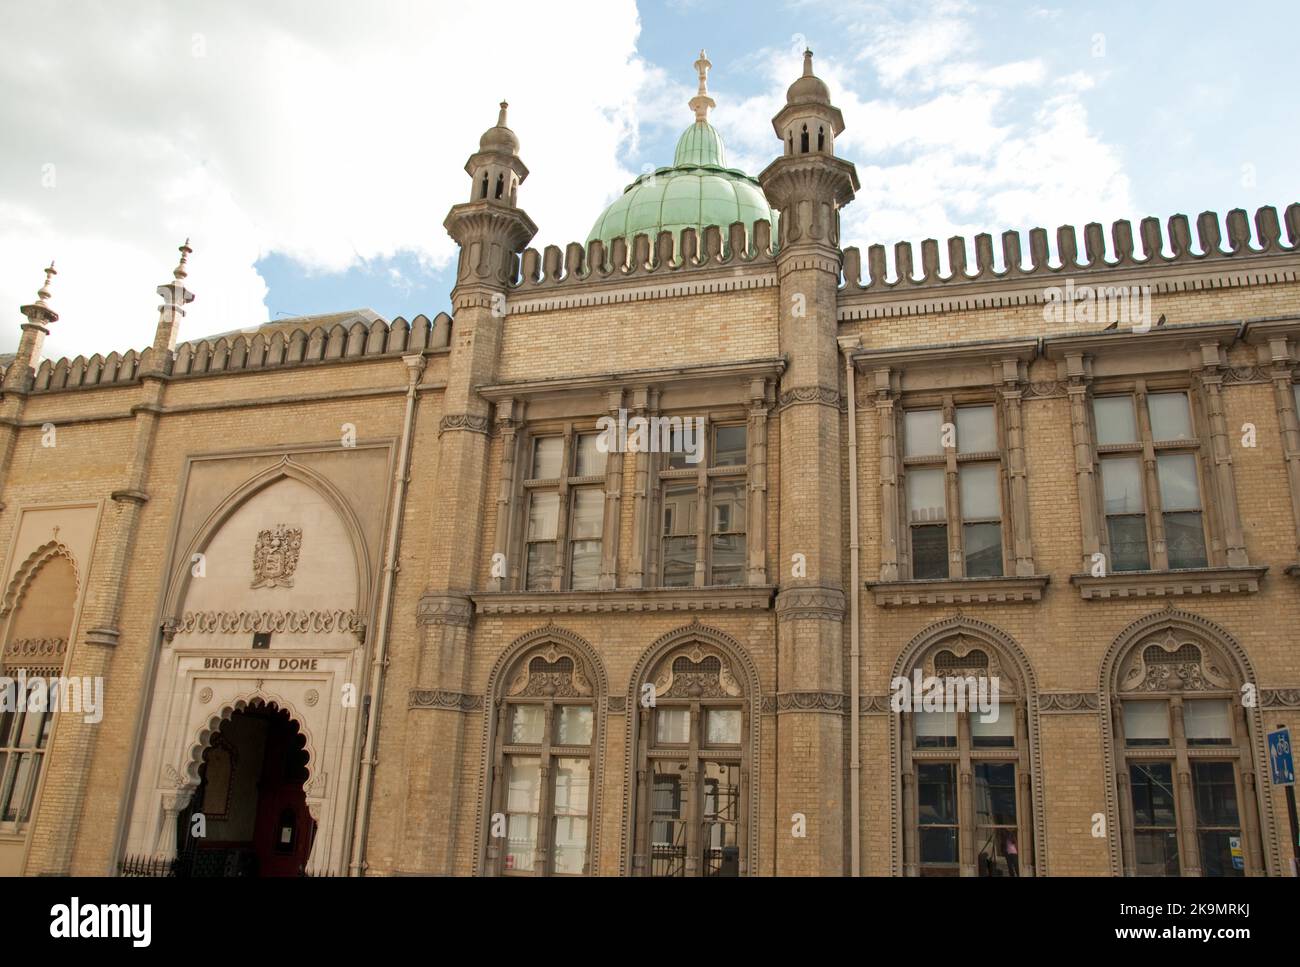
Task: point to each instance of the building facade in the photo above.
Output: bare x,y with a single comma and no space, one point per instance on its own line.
390,598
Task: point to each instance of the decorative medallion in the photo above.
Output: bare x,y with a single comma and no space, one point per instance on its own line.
205,695
311,698
276,557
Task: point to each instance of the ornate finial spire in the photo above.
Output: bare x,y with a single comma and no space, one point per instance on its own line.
807,62
43,292
701,102
179,272
501,118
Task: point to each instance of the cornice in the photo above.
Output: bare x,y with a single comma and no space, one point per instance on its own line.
1160,584
771,367
722,598
959,591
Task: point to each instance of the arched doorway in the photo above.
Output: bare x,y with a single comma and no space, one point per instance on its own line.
251,797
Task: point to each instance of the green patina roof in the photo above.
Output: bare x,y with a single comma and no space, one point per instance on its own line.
697,191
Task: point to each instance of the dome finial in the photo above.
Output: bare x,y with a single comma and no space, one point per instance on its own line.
701,102
179,272
43,292
807,62
501,118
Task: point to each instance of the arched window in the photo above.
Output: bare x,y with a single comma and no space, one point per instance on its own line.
821,138
966,761
484,191
501,185
546,733
43,600
803,140
1184,769
693,755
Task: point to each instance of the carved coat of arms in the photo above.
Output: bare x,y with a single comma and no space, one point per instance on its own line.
275,557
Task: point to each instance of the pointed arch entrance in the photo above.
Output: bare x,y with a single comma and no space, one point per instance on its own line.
249,815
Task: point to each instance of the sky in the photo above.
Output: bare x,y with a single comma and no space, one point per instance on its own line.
310,150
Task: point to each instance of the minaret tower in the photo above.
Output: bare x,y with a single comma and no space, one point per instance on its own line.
701,103
808,185
18,377
175,298
491,230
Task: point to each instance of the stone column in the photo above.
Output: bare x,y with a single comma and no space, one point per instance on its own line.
1018,485
886,423
809,189
1085,469
1225,485
1283,392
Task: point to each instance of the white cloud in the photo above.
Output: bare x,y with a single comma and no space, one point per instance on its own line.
331,132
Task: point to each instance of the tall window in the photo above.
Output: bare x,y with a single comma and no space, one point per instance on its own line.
541,799
692,749
1184,751
965,773
23,736
703,509
1150,482
565,505
953,484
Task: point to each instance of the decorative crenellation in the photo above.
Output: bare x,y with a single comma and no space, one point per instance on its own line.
1267,241
666,254
255,351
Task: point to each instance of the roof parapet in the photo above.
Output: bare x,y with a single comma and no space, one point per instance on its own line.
1178,240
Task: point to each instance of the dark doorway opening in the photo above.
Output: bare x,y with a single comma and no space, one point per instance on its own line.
255,819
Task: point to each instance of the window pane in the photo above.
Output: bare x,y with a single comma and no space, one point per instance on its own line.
588,512
1218,857
584,565
930,552
589,460
14,807
936,789
935,730
30,733
1157,852
978,485
527,725
925,496
1146,723
540,574
667,821
728,560
977,430
1128,543
679,510
1185,540
1152,784
1215,786
548,453
995,794
1121,482
727,501
673,725
938,844
686,443
679,562
723,726
729,446
1178,487
720,836
999,733
569,835
573,725
982,544
1116,421
1207,721
523,798
543,516
922,433
1171,418
7,722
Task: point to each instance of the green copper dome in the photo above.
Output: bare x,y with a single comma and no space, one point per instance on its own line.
699,189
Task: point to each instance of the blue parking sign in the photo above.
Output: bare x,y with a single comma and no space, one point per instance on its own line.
1279,758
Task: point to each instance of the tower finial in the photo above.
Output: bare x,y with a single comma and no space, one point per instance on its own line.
807,62
501,118
43,292
701,102
179,272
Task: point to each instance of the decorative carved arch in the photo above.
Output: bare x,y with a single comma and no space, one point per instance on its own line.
1233,670
744,672
260,698
26,573
504,674
179,582
1012,660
